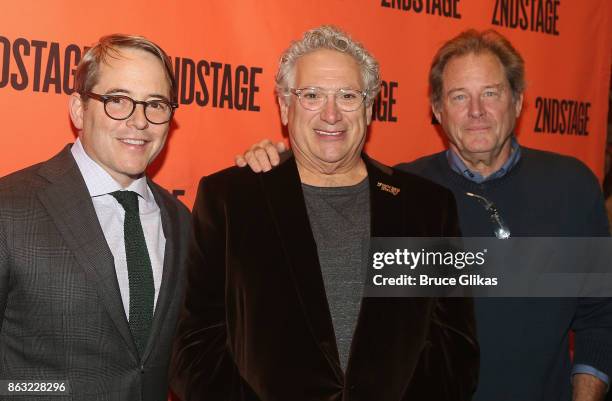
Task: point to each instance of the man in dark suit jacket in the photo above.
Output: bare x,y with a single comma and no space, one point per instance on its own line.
273,310
89,285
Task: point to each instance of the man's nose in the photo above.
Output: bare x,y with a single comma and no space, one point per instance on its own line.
476,107
138,118
331,113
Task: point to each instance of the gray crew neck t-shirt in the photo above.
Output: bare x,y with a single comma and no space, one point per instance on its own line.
340,222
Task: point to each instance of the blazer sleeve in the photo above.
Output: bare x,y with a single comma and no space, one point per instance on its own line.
448,367
4,272
202,366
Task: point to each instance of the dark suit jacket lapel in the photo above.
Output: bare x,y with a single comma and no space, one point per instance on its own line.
69,204
386,209
371,367
286,203
378,364
170,220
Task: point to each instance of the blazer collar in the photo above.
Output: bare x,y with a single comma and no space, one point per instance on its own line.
283,188
170,276
380,319
386,212
69,204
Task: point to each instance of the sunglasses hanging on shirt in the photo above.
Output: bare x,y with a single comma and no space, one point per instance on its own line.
501,229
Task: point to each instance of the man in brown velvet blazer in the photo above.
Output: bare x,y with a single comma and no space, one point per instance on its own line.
273,307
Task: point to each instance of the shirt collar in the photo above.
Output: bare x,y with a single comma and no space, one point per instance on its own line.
457,165
98,181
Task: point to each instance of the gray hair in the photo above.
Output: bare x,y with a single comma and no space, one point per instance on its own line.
329,37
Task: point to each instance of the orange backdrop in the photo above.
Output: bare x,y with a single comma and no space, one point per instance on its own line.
227,54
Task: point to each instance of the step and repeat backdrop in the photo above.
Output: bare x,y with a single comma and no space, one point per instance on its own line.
225,55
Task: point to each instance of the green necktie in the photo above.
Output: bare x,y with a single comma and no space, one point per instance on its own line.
140,274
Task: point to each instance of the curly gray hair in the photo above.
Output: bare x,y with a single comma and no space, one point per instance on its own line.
328,37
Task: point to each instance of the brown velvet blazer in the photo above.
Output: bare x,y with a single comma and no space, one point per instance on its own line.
256,324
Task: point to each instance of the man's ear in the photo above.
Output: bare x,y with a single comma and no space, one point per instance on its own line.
369,110
518,105
435,109
284,109
76,107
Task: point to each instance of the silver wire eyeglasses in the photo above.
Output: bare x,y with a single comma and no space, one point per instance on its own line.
121,107
501,230
314,99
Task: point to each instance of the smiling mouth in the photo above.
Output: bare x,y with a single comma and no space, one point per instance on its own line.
129,141
329,133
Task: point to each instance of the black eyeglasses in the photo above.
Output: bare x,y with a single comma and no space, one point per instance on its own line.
120,107
501,230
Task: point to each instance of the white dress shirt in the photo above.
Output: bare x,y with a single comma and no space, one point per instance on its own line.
111,215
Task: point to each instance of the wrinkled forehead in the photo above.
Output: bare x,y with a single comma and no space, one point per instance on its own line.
327,68
128,66
119,56
474,68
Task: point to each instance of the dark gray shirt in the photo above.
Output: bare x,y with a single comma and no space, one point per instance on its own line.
340,221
